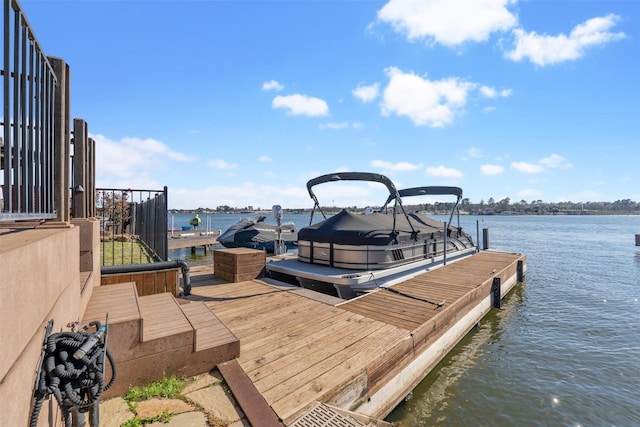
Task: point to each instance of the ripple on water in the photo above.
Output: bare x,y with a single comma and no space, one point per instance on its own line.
565,348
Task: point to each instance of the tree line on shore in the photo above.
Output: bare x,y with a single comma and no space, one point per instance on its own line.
490,207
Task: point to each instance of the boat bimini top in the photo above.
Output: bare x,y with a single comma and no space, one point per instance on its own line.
394,195
432,191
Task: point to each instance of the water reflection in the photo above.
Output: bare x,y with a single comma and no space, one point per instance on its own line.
430,401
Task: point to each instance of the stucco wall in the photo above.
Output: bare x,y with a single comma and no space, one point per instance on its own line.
40,279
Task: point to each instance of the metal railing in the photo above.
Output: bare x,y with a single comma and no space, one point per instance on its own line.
133,225
29,83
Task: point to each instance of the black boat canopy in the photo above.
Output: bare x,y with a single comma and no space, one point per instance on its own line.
428,191
356,176
431,190
376,229
351,176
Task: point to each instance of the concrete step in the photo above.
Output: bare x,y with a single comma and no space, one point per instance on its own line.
156,336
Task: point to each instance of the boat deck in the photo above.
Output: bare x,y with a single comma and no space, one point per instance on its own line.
298,350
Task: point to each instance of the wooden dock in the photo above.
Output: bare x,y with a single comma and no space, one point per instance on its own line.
192,240
364,355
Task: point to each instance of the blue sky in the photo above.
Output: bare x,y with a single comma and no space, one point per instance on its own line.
240,103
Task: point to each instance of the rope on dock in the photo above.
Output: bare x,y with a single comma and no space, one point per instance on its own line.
437,304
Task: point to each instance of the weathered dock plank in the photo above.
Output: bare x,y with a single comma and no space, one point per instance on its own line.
272,347
177,242
342,372
256,409
361,354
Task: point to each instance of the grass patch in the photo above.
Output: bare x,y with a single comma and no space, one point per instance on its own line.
167,388
163,417
121,253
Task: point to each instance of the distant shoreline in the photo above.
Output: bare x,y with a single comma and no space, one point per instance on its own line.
333,211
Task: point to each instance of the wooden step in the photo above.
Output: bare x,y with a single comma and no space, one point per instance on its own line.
153,336
161,317
119,301
210,332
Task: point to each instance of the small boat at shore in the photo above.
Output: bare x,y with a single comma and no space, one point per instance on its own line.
253,232
348,254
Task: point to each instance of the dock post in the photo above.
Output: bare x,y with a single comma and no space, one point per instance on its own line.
485,239
444,255
520,271
495,290
637,239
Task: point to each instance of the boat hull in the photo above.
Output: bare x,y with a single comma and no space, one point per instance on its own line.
369,257
263,246
352,253
349,283
255,233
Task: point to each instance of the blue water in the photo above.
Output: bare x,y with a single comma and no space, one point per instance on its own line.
212,222
564,350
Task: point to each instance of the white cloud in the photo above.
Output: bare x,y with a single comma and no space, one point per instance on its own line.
342,125
272,85
240,195
132,161
491,93
395,167
444,172
475,152
155,147
448,22
491,169
426,102
301,105
221,164
265,159
488,92
555,161
366,94
527,167
335,126
548,50
530,193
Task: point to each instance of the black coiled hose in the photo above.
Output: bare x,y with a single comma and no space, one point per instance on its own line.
73,376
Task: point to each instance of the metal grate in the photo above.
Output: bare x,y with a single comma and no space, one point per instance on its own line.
323,416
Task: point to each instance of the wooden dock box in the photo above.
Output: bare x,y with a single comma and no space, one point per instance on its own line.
239,264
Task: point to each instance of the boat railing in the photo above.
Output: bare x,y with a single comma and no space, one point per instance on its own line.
381,257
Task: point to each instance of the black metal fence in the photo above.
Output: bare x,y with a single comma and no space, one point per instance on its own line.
133,225
27,157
